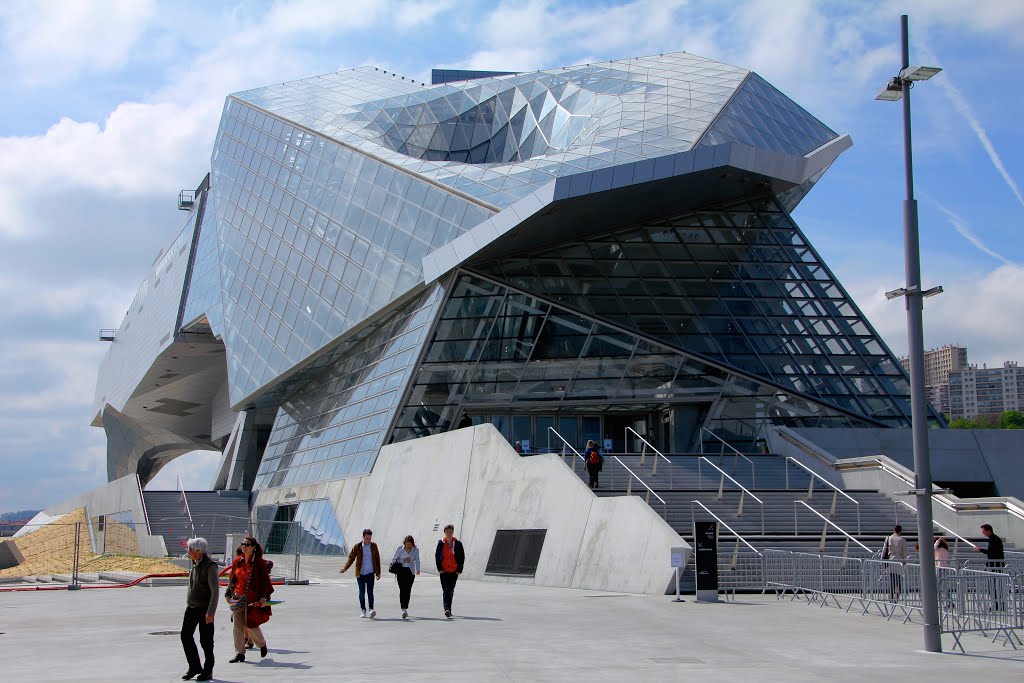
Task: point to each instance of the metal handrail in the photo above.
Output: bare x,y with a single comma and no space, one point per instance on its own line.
835,489
650,491
551,431
721,488
938,524
736,453
629,487
796,525
717,519
643,454
142,502
881,464
188,510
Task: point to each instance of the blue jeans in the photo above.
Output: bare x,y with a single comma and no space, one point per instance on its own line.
365,582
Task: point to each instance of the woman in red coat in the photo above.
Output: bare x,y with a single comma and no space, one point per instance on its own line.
249,589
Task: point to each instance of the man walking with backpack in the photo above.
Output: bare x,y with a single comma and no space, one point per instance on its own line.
594,462
450,558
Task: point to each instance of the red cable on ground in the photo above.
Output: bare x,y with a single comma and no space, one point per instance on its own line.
129,584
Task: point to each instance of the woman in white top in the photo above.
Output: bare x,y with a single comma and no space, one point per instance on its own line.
941,552
407,555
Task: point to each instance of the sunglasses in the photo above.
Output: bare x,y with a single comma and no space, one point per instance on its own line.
247,545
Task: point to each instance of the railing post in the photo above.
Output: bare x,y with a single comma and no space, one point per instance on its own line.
832,511
739,510
721,487
785,467
296,573
75,560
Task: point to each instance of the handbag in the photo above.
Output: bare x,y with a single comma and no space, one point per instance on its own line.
885,550
395,566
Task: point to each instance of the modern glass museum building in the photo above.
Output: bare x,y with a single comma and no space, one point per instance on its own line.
374,259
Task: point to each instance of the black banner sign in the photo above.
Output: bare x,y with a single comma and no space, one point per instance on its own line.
705,555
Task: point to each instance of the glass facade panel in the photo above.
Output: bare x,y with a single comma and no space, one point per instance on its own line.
789,323
563,370
309,528
312,238
335,424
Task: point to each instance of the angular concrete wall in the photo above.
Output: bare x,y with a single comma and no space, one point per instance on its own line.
473,479
120,495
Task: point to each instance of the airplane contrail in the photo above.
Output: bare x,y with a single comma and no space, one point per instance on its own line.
962,227
961,105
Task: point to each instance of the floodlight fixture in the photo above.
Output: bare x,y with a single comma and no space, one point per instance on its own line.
895,293
892,91
919,73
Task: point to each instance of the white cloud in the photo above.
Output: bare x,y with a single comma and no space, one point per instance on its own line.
51,41
67,372
983,311
196,470
536,34
139,149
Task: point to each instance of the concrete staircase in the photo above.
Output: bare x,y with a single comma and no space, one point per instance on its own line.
214,514
784,490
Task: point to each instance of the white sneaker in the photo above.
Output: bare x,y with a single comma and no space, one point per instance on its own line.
373,613
362,614
405,614
448,614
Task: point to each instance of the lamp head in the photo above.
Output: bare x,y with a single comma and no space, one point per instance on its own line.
919,73
892,91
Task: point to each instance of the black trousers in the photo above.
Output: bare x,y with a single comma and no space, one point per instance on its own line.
196,616
405,577
448,580
365,582
593,470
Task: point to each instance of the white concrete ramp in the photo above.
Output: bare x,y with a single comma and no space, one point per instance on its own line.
473,479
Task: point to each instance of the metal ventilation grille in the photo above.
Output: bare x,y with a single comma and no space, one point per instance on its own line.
516,552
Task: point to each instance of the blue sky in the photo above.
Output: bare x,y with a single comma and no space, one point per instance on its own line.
110,108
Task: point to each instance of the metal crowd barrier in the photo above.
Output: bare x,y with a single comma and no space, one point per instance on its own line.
988,600
984,602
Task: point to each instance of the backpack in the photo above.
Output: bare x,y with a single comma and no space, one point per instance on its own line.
594,457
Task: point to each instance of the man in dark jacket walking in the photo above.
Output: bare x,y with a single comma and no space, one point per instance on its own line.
450,558
995,548
201,606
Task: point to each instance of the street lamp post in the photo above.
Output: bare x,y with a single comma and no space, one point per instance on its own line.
899,88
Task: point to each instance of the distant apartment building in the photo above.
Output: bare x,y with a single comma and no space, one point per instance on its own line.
938,364
976,391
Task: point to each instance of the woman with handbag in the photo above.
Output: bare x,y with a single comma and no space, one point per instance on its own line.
405,562
249,590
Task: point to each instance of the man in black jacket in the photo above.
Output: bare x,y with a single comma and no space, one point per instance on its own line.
450,558
995,548
201,602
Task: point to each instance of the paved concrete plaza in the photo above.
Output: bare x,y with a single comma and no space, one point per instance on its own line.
501,632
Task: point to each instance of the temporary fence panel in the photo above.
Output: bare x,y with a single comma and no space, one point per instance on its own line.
985,602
